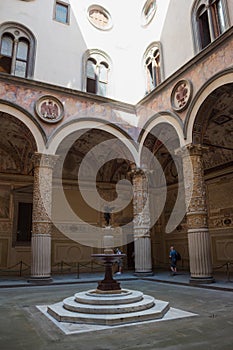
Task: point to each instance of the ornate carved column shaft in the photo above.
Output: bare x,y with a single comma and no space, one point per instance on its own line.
198,233
41,217
142,240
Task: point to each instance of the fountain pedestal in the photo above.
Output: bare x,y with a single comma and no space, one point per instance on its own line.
108,284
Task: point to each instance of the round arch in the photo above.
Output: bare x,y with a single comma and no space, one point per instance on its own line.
69,128
161,118
217,81
26,119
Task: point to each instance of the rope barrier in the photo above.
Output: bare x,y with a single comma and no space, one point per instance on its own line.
77,266
20,270
228,264
93,265
61,267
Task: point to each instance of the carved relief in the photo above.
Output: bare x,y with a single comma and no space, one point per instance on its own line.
49,109
141,204
181,95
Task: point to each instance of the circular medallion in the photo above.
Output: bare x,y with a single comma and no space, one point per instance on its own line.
148,12
49,109
181,95
99,17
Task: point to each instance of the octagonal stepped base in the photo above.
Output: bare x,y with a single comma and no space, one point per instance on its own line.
108,309
93,297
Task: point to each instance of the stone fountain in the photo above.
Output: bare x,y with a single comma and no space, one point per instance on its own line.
108,304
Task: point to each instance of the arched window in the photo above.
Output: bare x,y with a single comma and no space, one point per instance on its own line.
210,20
17,48
152,62
97,68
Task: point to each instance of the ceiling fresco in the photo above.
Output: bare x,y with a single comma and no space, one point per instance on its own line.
17,146
110,171
214,127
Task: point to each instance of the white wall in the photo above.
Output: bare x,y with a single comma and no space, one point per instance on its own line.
60,47
176,38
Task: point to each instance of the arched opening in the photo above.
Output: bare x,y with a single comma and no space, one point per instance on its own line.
17,145
91,163
170,227
213,129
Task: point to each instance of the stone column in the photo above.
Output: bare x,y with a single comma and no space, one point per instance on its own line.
142,240
198,233
41,218
210,22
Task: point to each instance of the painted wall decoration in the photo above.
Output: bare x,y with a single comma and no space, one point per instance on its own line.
4,202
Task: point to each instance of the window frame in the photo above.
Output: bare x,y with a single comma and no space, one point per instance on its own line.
64,4
101,58
157,70
19,33
105,12
146,16
214,26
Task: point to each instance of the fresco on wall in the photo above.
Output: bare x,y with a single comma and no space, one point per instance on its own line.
4,202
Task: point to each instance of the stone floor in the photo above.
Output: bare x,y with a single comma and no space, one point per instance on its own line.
23,326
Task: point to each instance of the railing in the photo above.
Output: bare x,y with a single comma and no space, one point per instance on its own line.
19,268
76,267
227,265
23,269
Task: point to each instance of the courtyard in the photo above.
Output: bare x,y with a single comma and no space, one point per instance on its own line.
23,326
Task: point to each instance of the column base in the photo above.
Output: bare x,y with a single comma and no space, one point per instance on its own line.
40,280
201,280
143,273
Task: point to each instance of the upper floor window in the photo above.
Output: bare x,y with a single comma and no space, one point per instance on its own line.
148,12
99,17
17,47
152,63
210,21
61,13
97,68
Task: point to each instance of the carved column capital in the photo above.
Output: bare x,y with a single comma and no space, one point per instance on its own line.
44,160
191,150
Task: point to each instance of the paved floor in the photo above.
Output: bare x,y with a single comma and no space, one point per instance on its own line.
24,327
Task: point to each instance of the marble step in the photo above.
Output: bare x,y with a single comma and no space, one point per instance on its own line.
61,314
94,298
145,303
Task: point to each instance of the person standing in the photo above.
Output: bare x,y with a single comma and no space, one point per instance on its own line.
119,262
173,260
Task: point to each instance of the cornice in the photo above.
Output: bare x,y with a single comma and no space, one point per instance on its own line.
25,82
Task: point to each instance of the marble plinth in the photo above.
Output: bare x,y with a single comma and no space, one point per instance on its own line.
108,309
